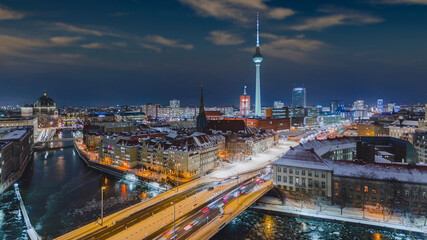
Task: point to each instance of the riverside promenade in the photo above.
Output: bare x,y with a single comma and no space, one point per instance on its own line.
31,232
352,216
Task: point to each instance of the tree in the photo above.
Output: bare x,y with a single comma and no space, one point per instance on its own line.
394,187
342,196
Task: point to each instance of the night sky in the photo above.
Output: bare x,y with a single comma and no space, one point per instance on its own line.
134,52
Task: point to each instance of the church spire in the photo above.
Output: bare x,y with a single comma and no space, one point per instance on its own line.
202,105
202,122
44,94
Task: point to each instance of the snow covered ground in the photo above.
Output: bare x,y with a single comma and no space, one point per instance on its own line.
350,215
258,161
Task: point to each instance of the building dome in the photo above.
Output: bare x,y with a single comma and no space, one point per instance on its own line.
45,101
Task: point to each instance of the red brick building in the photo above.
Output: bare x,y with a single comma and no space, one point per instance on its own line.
275,124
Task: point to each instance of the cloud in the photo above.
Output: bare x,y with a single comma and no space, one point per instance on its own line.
292,49
64,40
119,14
408,2
280,13
269,36
237,10
94,32
319,23
119,44
19,47
7,14
94,45
224,38
151,47
168,42
14,49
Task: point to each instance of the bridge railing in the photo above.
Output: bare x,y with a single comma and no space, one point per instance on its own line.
208,231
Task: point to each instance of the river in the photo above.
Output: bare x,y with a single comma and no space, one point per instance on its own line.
61,193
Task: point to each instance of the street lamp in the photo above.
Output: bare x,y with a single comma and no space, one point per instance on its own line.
177,181
102,205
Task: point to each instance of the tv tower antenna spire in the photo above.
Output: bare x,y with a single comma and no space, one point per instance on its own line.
257,29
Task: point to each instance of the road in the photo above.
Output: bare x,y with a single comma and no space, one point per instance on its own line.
114,224
141,215
200,217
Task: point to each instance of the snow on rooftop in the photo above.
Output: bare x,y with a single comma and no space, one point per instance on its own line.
16,134
379,159
377,171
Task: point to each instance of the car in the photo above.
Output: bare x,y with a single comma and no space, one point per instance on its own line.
217,182
221,205
210,188
205,210
243,187
187,227
259,180
226,197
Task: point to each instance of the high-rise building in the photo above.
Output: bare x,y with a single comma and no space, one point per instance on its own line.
359,105
278,104
337,106
202,121
257,58
299,98
174,103
245,104
380,107
390,107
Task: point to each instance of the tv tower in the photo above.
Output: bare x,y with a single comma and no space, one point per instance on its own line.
257,58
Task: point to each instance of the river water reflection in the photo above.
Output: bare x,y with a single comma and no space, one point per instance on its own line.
253,225
62,193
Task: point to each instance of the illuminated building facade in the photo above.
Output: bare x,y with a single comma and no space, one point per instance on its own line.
390,107
278,104
337,106
299,98
245,104
46,112
174,103
380,106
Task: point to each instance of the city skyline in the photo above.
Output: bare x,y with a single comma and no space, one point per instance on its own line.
327,47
